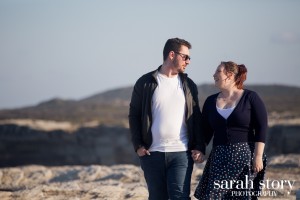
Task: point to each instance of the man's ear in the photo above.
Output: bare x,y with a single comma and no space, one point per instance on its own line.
171,55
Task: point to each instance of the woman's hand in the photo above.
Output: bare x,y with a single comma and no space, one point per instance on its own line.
257,163
258,154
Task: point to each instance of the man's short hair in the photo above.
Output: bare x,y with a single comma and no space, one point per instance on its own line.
174,44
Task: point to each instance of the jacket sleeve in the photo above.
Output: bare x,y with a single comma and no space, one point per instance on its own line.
199,143
135,115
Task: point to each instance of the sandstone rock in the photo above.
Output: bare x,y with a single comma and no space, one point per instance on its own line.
283,139
21,145
104,145
117,182
72,182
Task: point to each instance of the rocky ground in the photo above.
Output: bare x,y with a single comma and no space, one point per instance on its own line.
36,182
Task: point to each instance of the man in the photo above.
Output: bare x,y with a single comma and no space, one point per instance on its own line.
164,119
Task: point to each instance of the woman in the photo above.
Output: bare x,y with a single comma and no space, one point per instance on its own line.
237,119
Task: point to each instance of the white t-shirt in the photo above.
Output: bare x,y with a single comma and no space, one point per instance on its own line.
169,131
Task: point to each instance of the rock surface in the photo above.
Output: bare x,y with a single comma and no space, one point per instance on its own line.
26,143
98,162
117,182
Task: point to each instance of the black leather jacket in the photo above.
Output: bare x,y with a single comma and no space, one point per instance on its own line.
140,115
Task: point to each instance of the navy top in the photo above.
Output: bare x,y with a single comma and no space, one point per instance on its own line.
248,122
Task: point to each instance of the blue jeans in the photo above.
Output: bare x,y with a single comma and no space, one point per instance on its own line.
168,174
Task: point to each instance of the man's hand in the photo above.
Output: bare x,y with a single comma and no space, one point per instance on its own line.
197,156
142,151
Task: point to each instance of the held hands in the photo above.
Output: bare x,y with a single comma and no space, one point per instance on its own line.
142,151
197,156
257,164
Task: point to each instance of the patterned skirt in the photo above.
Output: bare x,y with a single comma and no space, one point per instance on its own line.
228,174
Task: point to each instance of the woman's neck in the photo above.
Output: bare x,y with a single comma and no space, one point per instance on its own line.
230,92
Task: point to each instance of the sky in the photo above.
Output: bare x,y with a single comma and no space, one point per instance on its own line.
73,49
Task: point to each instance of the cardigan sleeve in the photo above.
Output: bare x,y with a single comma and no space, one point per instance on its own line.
207,129
259,118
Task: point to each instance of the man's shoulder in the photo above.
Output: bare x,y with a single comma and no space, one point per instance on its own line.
189,80
149,74
148,77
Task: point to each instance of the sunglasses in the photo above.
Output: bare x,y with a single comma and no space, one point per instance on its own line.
183,56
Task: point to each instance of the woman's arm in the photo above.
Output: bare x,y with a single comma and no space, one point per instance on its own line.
258,156
260,118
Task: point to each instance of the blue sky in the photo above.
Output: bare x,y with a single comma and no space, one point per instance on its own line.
73,49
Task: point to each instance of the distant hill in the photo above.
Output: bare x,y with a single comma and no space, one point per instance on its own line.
111,107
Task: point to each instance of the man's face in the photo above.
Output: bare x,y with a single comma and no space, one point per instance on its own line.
181,59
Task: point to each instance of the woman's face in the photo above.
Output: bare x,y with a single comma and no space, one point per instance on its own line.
220,77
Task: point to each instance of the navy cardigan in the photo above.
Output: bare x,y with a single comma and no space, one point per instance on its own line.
248,122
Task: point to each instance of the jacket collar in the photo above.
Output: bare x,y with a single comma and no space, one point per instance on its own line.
182,76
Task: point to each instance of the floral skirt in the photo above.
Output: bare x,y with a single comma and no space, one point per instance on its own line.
228,174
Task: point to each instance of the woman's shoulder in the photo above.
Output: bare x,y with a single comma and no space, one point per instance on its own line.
251,95
212,98
250,92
